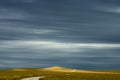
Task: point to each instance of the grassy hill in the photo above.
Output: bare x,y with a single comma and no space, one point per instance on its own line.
59,73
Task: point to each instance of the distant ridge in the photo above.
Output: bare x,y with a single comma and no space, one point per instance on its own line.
57,68
60,69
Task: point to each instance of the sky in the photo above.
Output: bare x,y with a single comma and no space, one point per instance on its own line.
81,34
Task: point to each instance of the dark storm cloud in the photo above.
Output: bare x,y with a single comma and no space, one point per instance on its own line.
79,23
80,32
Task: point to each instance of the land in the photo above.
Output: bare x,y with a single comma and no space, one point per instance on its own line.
58,73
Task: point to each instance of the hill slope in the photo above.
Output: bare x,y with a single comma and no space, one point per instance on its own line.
62,69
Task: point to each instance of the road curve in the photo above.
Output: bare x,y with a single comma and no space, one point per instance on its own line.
33,78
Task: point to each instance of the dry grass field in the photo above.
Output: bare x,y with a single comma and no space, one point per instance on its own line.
59,73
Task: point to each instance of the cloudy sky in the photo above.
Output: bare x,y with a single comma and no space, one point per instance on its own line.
82,34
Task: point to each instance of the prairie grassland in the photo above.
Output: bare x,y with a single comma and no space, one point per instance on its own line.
17,74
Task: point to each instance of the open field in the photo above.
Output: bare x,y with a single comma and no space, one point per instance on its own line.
58,73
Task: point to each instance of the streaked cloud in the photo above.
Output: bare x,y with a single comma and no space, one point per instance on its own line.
70,47
26,30
113,10
110,9
8,13
71,33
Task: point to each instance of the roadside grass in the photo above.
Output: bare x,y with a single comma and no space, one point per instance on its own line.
54,75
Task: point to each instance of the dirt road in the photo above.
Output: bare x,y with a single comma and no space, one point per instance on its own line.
33,78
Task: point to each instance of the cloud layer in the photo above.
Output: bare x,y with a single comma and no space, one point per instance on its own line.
71,33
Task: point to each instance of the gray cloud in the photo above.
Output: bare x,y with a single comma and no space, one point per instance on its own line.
8,13
72,33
